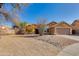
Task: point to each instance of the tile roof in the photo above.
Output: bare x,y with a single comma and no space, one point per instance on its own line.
62,24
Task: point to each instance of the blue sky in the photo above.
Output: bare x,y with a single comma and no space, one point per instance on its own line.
51,11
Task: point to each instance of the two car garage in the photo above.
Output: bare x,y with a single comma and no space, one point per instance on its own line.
61,28
63,31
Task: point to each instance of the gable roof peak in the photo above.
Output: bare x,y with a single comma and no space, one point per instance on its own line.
53,22
76,21
63,22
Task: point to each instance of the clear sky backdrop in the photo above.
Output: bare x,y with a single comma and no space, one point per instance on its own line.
52,11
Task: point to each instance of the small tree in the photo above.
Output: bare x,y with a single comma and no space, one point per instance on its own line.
23,26
41,25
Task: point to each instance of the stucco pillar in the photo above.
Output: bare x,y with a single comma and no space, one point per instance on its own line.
70,31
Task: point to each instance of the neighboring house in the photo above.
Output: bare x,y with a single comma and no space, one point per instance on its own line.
6,30
35,26
75,27
30,28
61,28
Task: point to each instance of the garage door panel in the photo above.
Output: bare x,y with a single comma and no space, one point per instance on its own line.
62,31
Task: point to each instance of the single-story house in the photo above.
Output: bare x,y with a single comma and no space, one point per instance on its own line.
75,27
61,28
30,28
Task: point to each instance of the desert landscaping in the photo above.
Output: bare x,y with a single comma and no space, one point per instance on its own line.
34,40
33,45
38,29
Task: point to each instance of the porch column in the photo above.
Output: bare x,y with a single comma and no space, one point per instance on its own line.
70,31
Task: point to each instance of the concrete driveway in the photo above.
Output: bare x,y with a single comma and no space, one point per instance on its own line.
71,50
72,37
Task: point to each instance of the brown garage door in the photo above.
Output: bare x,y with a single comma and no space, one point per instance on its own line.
63,31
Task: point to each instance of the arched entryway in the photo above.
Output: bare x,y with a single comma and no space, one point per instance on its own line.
36,31
73,32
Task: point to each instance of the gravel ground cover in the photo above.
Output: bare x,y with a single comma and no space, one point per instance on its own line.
56,40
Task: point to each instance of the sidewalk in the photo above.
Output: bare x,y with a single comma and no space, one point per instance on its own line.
71,50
